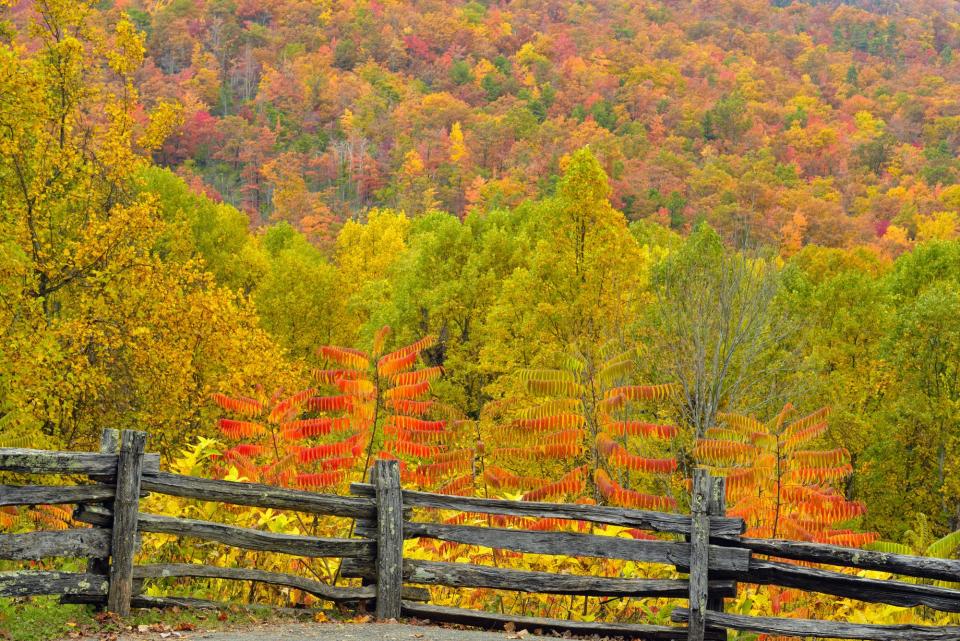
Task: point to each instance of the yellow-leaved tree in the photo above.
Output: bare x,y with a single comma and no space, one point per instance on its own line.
563,336
99,328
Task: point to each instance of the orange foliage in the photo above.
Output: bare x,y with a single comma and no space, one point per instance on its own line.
777,488
614,493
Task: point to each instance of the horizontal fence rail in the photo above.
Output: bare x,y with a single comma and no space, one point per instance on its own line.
257,495
460,575
573,544
824,629
54,494
849,586
86,463
241,537
316,588
600,514
915,566
35,583
33,546
713,552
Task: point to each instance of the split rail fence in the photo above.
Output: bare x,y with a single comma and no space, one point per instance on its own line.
713,553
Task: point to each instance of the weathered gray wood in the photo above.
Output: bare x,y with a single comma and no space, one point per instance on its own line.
30,583
386,480
573,544
467,575
126,507
316,588
53,494
845,585
184,602
699,553
641,519
109,444
250,539
141,601
917,566
109,441
47,462
491,620
32,546
257,495
358,569
145,602
241,537
807,628
717,507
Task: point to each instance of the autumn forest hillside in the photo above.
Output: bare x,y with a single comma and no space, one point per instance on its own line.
541,249
778,123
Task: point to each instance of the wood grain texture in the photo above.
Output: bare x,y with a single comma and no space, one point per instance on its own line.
718,507
246,538
386,480
916,566
33,546
126,507
572,544
54,494
46,462
258,495
460,575
183,602
699,553
641,519
109,444
807,628
850,586
32,583
316,588
358,569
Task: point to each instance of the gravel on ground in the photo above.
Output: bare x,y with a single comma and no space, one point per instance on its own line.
341,632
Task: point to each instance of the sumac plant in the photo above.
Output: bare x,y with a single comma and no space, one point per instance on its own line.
363,405
580,432
778,483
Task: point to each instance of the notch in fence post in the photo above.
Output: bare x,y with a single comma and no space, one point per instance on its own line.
717,507
699,553
386,481
126,507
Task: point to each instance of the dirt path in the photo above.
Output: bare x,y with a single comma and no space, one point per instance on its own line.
339,632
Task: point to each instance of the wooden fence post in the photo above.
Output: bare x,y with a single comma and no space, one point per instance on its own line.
717,507
699,553
126,506
109,441
386,480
